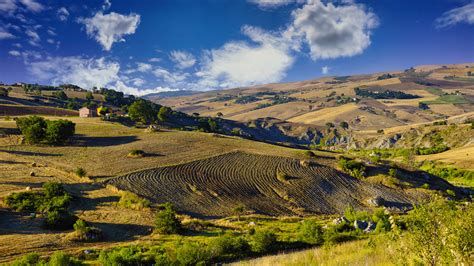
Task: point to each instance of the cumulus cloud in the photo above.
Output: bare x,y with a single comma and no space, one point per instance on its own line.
87,73
457,15
110,28
242,63
8,6
325,70
107,4
63,14
32,5
34,37
332,31
143,67
171,78
182,59
4,34
137,82
154,60
14,53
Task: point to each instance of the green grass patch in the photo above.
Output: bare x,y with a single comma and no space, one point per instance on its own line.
448,99
435,91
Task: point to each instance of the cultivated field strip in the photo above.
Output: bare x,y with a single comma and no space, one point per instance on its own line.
216,185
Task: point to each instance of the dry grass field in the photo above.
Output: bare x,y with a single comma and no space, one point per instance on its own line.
462,157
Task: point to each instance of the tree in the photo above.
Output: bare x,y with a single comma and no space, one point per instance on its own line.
167,221
344,125
310,232
423,106
164,113
59,131
61,95
4,92
329,125
89,96
32,127
239,210
142,111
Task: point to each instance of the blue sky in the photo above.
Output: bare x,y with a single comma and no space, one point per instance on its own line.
148,46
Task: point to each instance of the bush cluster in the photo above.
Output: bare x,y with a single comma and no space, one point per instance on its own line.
352,167
431,150
36,130
52,201
167,221
131,201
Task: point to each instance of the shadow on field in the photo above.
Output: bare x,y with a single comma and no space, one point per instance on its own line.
24,184
82,140
18,223
29,153
10,162
121,232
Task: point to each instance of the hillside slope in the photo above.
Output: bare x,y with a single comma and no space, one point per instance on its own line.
217,185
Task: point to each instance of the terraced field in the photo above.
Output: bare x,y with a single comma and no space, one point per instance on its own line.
213,187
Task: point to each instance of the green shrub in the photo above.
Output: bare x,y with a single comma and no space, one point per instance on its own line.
59,131
263,241
431,150
53,189
192,253
392,172
28,259
83,232
127,256
80,172
32,127
382,220
60,258
451,193
136,153
425,186
166,221
59,220
439,233
351,214
310,232
131,201
54,197
282,177
352,167
229,246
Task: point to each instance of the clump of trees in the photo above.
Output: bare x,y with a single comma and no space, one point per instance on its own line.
354,168
384,94
52,202
431,150
36,130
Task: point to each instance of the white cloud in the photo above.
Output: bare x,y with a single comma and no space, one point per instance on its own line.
32,5
457,15
51,41
110,28
14,53
169,77
271,3
63,14
143,67
332,31
4,34
241,63
182,59
8,5
87,73
107,4
137,82
51,32
34,37
154,60
325,70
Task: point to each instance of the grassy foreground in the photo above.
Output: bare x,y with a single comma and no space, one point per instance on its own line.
360,252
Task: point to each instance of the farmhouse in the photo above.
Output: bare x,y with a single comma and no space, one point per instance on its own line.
87,112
